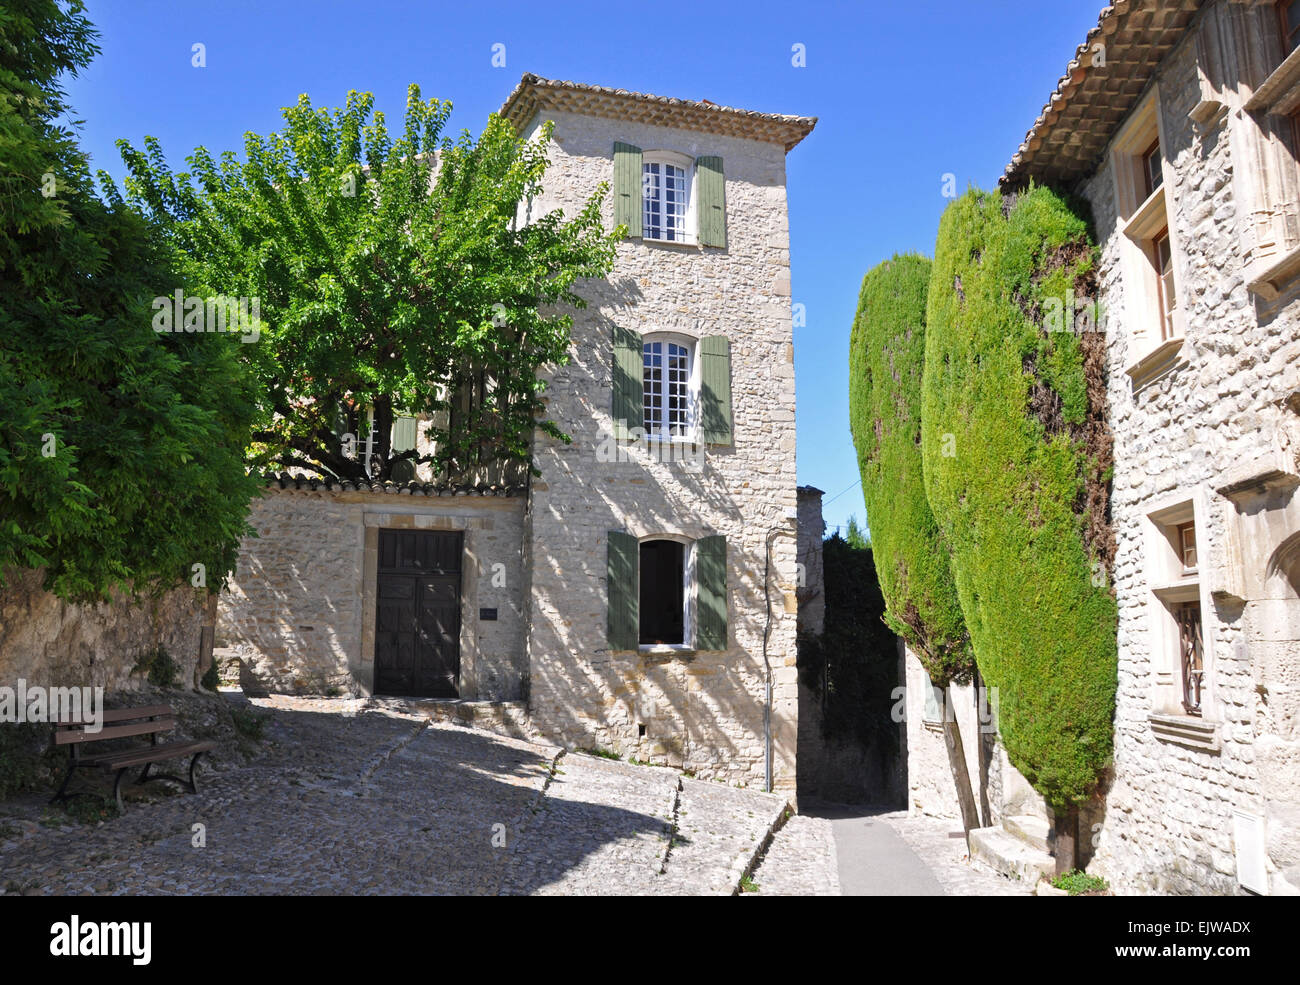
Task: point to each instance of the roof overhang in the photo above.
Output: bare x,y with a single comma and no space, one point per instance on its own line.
1100,86
535,94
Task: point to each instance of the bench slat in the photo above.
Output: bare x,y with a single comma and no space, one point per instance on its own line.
149,754
118,715
63,737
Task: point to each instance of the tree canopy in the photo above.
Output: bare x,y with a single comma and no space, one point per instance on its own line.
1017,458
395,276
120,462
886,362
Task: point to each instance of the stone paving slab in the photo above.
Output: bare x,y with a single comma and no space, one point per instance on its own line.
932,839
801,861
720,830
603,828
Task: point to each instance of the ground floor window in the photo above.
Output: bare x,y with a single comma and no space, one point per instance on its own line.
663,592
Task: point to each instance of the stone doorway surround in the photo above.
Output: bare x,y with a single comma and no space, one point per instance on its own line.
473,567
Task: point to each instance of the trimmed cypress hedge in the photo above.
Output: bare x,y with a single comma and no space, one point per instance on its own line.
886,360
1017,468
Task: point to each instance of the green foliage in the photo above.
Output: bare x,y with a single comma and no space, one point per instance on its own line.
211,679
602,753
159,667
91,808
248,723
1021,497
26,759
120,450
886,362
1077,883
383,282
858,538
853,665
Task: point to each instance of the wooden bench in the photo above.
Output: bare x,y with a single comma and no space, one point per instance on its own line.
119,723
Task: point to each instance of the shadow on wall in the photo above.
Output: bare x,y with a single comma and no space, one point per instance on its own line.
851,747
702,711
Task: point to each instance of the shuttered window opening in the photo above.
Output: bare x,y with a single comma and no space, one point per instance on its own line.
659,388
666,196
666,592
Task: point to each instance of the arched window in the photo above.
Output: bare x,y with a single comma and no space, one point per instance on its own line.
669,386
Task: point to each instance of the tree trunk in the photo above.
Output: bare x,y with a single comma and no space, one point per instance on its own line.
984,748
1067,837
957,763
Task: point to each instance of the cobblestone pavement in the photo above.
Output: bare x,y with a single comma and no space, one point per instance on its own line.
800,861
349,799
930,838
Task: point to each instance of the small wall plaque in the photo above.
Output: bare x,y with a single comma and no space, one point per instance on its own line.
487,615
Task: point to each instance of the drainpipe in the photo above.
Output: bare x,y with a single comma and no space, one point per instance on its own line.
767,666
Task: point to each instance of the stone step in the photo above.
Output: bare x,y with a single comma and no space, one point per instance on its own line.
1032,830
1006,854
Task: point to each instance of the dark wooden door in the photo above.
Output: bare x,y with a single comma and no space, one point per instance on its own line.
417,630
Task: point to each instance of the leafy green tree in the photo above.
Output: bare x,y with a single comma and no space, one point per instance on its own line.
858,539
395,277
120,462
886,363
1017,458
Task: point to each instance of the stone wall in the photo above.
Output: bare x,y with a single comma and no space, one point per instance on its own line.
812,568
702,711
300,608
1201,434
46,641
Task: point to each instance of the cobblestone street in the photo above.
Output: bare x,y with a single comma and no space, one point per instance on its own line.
350,797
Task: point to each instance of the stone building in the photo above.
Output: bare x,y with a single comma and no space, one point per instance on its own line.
1177,123
640,596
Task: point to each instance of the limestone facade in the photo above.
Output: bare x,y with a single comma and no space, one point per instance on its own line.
297,609
1203,377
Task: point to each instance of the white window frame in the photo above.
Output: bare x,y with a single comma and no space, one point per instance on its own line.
1142,218
1170,584
691,432
689,595
690,229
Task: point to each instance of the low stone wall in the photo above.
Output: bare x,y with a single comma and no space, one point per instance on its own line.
47,641
299,611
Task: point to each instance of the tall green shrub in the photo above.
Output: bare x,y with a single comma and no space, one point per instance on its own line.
886,364
1017,467
886,361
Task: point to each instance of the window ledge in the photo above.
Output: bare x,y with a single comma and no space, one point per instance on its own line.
1280,92
1148,218
690,242
665,650
1155,363
1269,277
1179,590
1186,730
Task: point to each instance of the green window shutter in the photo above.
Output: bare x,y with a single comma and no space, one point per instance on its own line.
404,436
712,201
621,579
711,594
715,390
629,359
628,202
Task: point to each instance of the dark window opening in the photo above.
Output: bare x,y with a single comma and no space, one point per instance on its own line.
663,579
1191,654
1290,14
1152,173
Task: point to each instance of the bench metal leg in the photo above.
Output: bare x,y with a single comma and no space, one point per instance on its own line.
63,789
117,790
148,777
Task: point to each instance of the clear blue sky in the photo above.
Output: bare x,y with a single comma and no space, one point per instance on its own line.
905,91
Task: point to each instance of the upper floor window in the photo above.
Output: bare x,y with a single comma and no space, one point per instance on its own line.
1167,297
1289,13
667,381
665,197
1153,173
